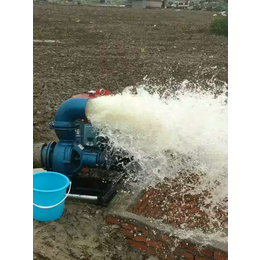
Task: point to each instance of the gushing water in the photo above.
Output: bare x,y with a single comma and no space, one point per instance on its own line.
169,132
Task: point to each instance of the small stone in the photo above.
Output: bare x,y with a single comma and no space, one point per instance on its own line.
115,226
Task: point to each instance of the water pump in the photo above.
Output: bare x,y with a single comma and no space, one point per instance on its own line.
79,144
81,153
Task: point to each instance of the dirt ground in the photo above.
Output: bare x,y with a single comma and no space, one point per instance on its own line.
110,48
81,233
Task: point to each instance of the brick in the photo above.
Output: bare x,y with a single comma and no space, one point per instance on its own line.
113,220
156,211
143,232
146,210
159,213
153,212
220,256
148,241
128,233
128,226
183,253
206,252
137,245
190,247
154,244
143,247
143,206
140,202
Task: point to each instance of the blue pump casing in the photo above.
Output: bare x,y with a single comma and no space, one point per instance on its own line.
79,145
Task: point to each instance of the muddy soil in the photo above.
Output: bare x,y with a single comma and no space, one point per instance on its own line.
101,47
82,233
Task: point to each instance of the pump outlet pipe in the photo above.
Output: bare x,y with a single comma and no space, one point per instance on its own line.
77,146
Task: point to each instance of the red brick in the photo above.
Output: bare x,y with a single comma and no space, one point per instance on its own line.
183,253
128,226
148,241
138,204
152,203
159,213
145,200
113,220
189,247
156,210
137,245
143,247
153,212
144,232
143,206
206,252
154,244
220,256
147,209
128,233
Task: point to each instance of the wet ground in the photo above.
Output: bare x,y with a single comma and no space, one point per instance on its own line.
82,233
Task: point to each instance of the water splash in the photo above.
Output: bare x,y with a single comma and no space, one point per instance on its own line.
169,131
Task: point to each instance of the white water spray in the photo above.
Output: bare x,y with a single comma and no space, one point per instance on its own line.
169,133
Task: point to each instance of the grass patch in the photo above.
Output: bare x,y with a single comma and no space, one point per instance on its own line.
219,26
